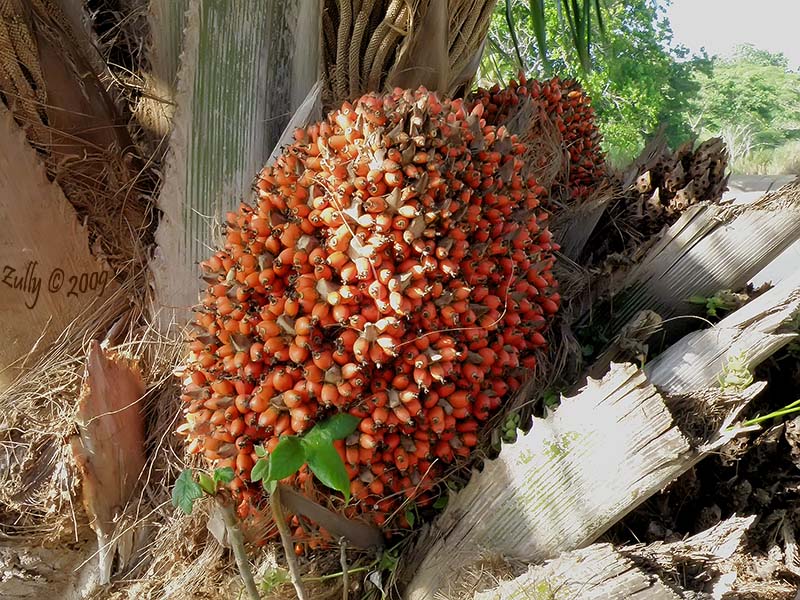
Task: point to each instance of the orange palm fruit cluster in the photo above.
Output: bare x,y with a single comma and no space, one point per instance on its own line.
566,104
396,267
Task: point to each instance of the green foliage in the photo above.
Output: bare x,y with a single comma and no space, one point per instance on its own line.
753,101
292,452
186,491
638,79
273,578
285,459
793,350
411,514
337,427
736,375
789,409
724,300
779,160
327,465
383,574
223,475
260,470
510,426
551,398
206,483
576,17
315,449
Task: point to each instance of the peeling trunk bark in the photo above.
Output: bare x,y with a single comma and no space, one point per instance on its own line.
245,66
109,451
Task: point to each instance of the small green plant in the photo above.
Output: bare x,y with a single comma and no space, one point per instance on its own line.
383,571
735,375
551,398
510,427
411,514
789,409
593,338
723,300
315,449
188,490
274,578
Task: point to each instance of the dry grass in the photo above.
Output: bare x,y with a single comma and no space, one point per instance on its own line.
38,416
483,575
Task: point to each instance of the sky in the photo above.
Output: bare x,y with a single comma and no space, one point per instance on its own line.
720,25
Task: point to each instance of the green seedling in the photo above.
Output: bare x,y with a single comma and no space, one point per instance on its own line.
274,578
789,409
736,375
510,427
551,398
188,490
724,300
315,448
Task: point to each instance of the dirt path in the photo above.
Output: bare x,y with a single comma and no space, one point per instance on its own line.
758,183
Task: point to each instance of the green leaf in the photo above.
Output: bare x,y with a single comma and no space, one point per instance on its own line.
512,29
260,451
225,475
389,560
260,470
578,14
186,491
551,399
539,22
410,516
327,465
441,502
208,485
273,578
288,456
317,436
338,427
600,21
271,486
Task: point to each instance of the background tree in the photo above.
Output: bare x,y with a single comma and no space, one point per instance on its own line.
753,101
638,78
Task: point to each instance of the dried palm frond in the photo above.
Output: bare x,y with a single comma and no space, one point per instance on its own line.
52,84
